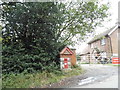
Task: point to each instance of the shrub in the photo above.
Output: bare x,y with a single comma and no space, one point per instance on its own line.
75,66
16,61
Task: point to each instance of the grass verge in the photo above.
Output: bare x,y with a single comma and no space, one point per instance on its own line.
37,79
113,64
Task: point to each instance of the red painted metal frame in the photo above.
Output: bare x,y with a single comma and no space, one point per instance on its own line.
115,60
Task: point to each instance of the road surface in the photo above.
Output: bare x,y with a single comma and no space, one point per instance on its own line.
95,76
101,76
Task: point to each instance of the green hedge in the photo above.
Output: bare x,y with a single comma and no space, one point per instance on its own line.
19,61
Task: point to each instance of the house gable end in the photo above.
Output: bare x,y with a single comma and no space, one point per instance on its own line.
112,30
104,34
66,51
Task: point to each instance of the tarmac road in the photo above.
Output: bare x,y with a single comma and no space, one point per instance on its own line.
95,76
99,76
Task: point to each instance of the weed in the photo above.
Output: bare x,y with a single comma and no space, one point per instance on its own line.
37,79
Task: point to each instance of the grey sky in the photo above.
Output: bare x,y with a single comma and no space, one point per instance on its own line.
107,24
114,16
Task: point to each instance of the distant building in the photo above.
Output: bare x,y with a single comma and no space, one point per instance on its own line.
103,46
85,56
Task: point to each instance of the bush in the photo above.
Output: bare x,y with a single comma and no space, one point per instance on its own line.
29,37
75,66
17,61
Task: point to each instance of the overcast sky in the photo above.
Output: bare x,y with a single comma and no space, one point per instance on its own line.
114,16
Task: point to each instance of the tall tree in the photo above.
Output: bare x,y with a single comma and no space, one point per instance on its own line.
34,33
80,19
30,31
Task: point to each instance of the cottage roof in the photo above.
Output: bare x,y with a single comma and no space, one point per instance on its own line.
108,32
66,50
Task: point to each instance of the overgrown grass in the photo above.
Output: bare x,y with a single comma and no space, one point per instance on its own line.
113,64
37,79
85,63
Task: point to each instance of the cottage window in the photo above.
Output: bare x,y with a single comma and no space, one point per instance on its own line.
104,54
103,41
92,45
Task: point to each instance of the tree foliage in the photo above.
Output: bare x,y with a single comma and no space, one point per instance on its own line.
34,33
80,19
29,37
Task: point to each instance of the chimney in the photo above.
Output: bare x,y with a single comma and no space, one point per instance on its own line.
74,50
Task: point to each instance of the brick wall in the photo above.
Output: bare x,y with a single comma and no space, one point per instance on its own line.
114,40
110,47
105,48
119,42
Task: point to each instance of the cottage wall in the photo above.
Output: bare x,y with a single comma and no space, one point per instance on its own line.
110,47
105,48
119,42
114,42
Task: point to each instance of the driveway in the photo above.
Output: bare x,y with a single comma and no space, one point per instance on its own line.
95,76
99,76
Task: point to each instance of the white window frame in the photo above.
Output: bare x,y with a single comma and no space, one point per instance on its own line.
92,45
103,41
